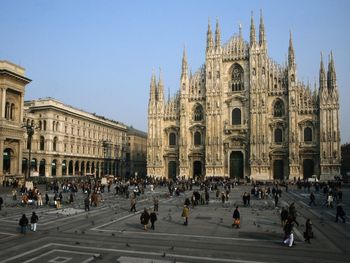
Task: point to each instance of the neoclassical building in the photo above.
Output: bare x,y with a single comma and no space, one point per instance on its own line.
12,88
241,115
70,141
136,157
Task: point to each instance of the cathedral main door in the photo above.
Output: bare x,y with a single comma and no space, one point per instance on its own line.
197,169
236,165
278,173
308,168
172,170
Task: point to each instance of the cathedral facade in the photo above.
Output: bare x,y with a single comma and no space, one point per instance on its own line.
241,115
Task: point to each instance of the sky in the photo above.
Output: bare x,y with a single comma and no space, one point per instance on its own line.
98,55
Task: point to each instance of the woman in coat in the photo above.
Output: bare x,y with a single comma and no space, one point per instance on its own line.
33,221
144,218
308,230
236,218
185,214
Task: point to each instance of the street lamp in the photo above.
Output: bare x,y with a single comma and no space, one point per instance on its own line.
30,128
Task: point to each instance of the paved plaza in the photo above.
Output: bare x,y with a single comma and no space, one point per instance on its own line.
110,233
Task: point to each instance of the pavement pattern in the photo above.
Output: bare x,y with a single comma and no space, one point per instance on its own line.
110,233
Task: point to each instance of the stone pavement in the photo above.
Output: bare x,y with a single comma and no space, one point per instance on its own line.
110,233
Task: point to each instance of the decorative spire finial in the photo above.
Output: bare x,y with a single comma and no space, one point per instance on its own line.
252,31
210,41
217,34
291,56
262,38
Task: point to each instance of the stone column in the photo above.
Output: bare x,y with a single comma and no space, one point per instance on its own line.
1,159
20,149
3,102
48,169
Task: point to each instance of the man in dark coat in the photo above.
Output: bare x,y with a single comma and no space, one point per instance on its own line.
33,221
284,216
340,213
308,231
23,222
153,217
144,218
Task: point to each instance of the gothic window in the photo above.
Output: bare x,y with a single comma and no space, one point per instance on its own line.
236,117
42,143
55,144
307,134
278,109
197,138
237,78
172,139
198,113
278,136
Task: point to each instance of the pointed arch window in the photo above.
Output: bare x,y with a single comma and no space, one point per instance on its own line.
278,109
237,78
197,138
307,135
198,113
236,117
278,136
172,139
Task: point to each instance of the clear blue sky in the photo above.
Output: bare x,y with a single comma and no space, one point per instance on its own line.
99,55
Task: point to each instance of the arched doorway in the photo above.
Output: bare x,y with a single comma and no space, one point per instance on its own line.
308,168
97,170
64,167
197,169
8,153
82,168
53,167
172,170
42,167
236,165
34,165
88,167
76,168
70,168
92,167
278,171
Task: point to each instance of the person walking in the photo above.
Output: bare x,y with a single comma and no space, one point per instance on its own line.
276,200
288,232
236,218
23,222
185,214
33,221
340,213
308,231
155,204
284,216
312,199
293,213
144,218
87,203
133,204
153,218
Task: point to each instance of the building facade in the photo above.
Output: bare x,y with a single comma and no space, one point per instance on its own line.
71,142
137,145
241,115
12,88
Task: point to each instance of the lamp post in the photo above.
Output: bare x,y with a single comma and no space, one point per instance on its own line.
30,132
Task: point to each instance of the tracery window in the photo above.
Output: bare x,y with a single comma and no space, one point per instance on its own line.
237,78
307,134
198,113
278,136
236,116
197,138
278,109
172,139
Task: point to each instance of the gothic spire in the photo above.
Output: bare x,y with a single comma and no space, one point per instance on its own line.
291,57
322,77
240,30
331,76
160,86
262,38
210,41
252,31
184,64
152,95
217,34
